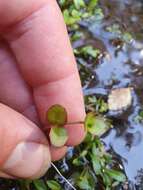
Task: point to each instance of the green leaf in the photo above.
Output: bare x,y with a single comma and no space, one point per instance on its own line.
96,149
86,180
24,184
53,185
78,161
96,164
96,125
89,50
92,4
116,175
107,180
103,106
141,113
62,2
139,117
57,115
76,14
70,19
39,185
89,138
115,28
127,37
79,3
76,36
98,13
58,136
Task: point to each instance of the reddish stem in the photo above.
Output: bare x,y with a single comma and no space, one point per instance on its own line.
76,122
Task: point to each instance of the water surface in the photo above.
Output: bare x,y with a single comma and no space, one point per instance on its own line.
121,67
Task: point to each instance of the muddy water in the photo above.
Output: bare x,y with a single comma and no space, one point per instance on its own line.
121,67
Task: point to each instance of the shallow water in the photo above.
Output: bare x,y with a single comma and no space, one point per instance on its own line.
121,67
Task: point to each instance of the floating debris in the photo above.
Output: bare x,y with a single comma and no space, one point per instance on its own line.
119,98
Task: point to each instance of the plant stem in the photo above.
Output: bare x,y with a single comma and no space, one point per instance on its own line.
76,122
53,165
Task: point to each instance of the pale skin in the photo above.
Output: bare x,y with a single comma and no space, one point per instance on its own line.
37,70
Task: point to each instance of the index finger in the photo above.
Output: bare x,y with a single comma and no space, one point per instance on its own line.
44,54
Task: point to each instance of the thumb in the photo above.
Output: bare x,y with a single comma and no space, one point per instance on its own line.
24,148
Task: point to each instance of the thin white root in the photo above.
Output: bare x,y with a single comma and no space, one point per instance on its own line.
53,165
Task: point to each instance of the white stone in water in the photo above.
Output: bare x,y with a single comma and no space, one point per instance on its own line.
119,98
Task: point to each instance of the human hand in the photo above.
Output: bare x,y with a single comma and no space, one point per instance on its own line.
37,70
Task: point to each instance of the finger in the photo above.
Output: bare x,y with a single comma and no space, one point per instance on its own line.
57,153
24,148
45,58
15,93
4,175
15,10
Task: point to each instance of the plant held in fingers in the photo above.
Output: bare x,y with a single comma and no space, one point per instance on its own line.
58,136
57,118
57,115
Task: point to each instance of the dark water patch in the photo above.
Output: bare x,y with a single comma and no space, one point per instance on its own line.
121,67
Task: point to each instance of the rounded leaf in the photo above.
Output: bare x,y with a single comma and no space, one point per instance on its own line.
57,115
58,136
96,125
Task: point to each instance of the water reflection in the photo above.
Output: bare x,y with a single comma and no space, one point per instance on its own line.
121,68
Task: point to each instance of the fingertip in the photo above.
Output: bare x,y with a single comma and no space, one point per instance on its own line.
57,153
24,148
28,160
76,134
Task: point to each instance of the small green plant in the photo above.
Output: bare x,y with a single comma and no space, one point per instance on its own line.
116,29
54,185
96,168
94,160
95,104
96,125
76,10
87,51
139,117
49,184
57,118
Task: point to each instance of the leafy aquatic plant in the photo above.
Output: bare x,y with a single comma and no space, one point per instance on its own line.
57,118
93,158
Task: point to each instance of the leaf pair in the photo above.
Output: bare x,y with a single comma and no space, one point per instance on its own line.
57,118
